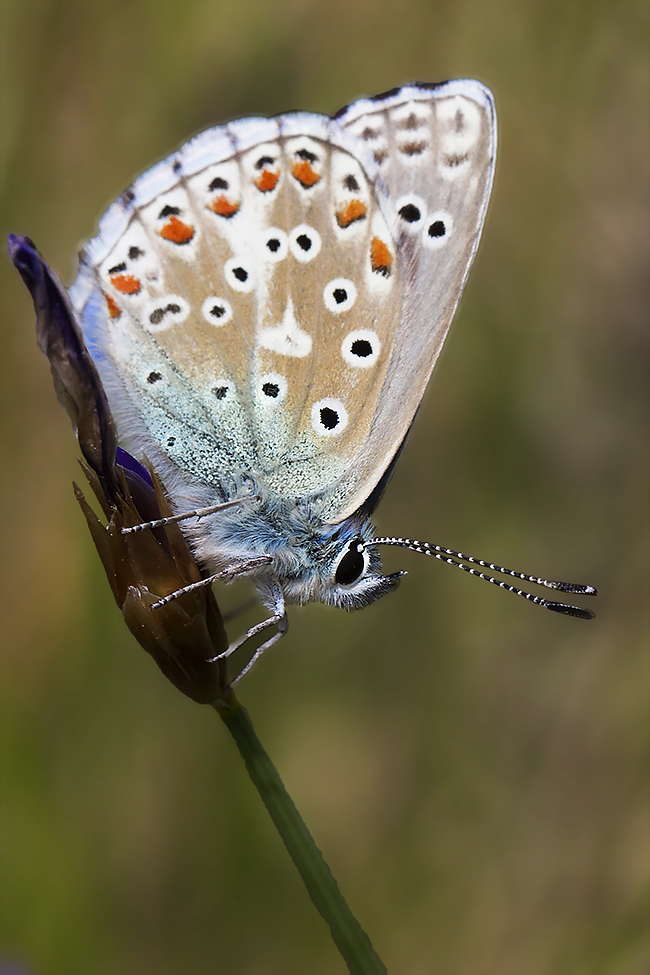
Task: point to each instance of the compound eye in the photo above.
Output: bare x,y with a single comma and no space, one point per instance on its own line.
352,564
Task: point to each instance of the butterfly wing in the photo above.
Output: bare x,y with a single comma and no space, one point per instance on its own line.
252,302
433,151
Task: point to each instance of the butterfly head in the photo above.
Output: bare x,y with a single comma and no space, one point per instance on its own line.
348,573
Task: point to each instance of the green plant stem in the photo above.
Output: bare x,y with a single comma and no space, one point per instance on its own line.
348,935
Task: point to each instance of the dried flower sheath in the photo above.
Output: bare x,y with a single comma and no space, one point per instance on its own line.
182,636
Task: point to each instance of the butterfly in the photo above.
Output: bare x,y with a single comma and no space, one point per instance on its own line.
265,308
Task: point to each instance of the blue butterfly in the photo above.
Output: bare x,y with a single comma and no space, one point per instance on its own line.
265,308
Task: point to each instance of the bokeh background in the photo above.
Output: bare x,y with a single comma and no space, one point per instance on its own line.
473,768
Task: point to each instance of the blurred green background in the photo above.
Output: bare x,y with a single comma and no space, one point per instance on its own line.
473,768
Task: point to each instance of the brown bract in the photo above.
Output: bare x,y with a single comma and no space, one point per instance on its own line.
184,635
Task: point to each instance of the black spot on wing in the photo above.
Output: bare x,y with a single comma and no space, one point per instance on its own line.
329,418
453,161
158,314
413,148
361,348
305,154
410,213
437,229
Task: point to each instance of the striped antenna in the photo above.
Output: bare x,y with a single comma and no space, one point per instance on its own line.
449,556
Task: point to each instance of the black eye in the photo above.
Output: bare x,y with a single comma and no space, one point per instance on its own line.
351,566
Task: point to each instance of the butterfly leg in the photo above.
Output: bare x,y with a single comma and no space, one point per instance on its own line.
283,626
278,619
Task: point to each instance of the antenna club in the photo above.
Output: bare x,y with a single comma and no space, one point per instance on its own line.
566,610
573,587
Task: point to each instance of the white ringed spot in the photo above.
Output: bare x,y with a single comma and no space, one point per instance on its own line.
361,348
438,228
411,211
271,389
154,377
329,417
164,312
221,391
216,310
460,121
305,243
339,295
275,244
239,274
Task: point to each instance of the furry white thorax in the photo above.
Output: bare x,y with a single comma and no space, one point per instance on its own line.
305,550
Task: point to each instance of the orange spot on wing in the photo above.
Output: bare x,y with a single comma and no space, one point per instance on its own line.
354,210
304,173
113,308
381,258
223,208
267,180
126,283
176,231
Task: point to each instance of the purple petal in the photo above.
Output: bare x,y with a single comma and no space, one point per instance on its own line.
129,463
77,383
